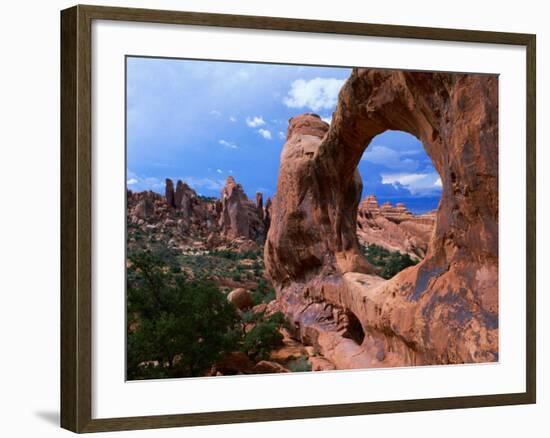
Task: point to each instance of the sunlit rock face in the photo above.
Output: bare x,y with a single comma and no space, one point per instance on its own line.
444,309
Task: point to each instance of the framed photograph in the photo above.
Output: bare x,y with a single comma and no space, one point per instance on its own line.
268,218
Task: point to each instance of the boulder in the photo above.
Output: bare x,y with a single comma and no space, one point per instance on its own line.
240,298
235,362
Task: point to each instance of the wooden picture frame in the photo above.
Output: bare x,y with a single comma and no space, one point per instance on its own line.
76,217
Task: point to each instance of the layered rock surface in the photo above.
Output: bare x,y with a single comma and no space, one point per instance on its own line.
444,309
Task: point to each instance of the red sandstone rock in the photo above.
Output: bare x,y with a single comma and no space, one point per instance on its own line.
184,198
235,362
394,228
260,205
240,298
143,204
240,217
319,363
443,310
269,367
234,215
267,215
169,193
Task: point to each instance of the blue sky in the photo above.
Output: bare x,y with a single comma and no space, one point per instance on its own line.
201,121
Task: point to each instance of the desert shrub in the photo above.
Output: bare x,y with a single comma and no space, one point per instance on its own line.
251,317
388,262
257,268
207,198
262,294
233,255
299,365
176,328
396,263
264,337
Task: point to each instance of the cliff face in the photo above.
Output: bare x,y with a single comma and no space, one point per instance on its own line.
443,310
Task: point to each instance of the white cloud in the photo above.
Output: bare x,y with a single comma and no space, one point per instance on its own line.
265,133
438,183
132,181
327,119
153,182
215,113
402,178
255,121
243,74
282,135
219,170
204,183
232,119
416,183
390,158
228,144
315,94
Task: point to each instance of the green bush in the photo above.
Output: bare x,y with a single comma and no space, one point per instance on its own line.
232,255
263,294
264,337
178,328
388,262
299,365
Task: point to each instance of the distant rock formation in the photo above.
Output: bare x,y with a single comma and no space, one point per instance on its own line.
181,224
260,205
233,221
394,228
234,217
267,216
145,207
169,193
444,309
185,199
240,217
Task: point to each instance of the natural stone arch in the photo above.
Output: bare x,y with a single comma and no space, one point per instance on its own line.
443,310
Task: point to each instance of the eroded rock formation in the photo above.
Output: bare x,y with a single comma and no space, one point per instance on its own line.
394,228
183,224
443,310
240,217
169,192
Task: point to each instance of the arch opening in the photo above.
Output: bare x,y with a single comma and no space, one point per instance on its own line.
352,328
401,192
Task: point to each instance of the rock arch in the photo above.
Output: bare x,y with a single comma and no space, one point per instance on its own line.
443,310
